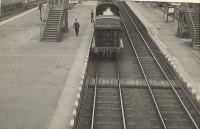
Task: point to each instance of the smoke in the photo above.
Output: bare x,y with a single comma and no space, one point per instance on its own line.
108,12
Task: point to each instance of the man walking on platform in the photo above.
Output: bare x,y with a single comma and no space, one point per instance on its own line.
92,16
76,26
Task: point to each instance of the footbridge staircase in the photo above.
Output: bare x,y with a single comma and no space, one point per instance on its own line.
53,19
192,14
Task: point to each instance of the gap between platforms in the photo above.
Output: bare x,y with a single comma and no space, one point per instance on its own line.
173,61
64,111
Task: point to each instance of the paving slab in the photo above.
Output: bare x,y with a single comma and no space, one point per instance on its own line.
179,52
34,75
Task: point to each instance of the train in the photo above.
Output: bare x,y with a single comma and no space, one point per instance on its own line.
107,37
14,5
5,3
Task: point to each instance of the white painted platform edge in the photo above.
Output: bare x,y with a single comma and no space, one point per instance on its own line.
166,54
59,120
80,88
17,16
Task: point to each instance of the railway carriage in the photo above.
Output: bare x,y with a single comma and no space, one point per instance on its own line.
10,6
107,39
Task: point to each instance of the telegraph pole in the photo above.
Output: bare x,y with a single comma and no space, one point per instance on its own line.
0,10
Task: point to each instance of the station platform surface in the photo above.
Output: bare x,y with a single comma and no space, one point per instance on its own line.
39,80
179,52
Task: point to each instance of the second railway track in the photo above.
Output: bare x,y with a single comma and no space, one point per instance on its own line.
108,111
137,90
170,108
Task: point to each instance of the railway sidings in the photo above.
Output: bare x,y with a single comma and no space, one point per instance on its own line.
136,90
10,8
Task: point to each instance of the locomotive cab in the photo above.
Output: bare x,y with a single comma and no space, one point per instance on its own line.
107,39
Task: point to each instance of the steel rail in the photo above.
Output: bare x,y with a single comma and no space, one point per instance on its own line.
174,90
95,94
144,74
121,97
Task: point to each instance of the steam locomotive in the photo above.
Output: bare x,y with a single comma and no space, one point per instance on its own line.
107,39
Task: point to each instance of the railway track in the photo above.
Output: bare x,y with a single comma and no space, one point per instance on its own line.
137,90
172,111
108,110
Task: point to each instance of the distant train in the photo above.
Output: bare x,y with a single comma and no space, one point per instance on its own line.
107,39
15,2
14,5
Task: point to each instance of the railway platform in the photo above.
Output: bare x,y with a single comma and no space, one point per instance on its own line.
39,81
179,52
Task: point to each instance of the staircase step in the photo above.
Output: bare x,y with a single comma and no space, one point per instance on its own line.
51,36
51,33
50,40
50,28
52,24
54,13
53,18
58,15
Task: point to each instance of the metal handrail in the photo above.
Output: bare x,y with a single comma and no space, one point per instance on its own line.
188,113
94,101
44,17
61,14
191,18
121,99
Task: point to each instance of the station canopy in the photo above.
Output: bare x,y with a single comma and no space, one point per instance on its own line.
173,1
